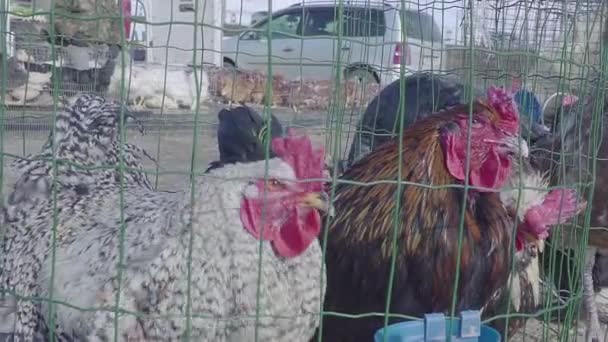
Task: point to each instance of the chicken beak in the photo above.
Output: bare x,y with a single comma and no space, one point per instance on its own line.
318,200
515,145
538,131
529,237
539,244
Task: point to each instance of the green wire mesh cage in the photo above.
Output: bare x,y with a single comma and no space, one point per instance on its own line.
120,223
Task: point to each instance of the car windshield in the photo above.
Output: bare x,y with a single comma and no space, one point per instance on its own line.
282,26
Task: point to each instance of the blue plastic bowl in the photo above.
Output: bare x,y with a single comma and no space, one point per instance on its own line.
414,331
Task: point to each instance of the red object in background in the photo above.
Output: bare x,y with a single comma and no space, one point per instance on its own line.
569,100
399,52
515,84
126,12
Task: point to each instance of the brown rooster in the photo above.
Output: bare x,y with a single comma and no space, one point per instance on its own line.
359,238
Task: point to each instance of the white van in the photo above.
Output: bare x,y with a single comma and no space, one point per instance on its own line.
305,42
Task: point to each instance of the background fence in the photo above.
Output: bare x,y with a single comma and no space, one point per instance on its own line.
544,46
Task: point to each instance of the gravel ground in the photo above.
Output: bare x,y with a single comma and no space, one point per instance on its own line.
172,144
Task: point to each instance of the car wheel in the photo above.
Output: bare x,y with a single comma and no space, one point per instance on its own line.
228,64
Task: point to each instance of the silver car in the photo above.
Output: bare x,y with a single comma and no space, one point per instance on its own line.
305,42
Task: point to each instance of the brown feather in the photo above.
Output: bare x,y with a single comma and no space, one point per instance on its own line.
360,235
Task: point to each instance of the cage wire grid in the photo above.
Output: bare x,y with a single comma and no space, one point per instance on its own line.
546,46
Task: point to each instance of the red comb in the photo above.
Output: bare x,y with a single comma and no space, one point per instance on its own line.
307,163
569,100
502,102
559,206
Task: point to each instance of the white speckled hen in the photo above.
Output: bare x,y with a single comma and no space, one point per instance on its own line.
86,134
216,236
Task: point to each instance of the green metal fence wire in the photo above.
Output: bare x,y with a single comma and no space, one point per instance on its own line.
575,70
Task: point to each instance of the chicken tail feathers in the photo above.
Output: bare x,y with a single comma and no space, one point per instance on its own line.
86,134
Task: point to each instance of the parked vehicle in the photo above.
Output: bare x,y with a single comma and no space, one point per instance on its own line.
257,16
305,42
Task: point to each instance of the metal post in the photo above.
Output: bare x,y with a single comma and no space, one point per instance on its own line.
5,22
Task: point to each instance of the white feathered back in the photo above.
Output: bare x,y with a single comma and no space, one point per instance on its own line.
147,81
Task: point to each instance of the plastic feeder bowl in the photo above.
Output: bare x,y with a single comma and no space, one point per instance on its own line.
467,328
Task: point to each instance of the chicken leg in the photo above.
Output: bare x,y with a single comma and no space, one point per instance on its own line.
594,331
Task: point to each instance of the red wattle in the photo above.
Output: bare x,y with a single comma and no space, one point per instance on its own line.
519,241
251,218
297,234
288,241
493,173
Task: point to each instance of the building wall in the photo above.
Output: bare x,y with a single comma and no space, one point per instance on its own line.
179,37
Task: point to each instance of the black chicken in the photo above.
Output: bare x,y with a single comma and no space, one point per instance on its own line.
241,134
568,156
425,93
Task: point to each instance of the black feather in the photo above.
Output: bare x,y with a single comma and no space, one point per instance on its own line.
240,136
425,93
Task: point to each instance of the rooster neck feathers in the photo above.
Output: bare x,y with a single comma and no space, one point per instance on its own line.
428,229
424,157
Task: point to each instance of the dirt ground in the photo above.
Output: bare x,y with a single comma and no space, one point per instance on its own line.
171,142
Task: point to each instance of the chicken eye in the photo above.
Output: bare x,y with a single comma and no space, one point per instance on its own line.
275,185
477,123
